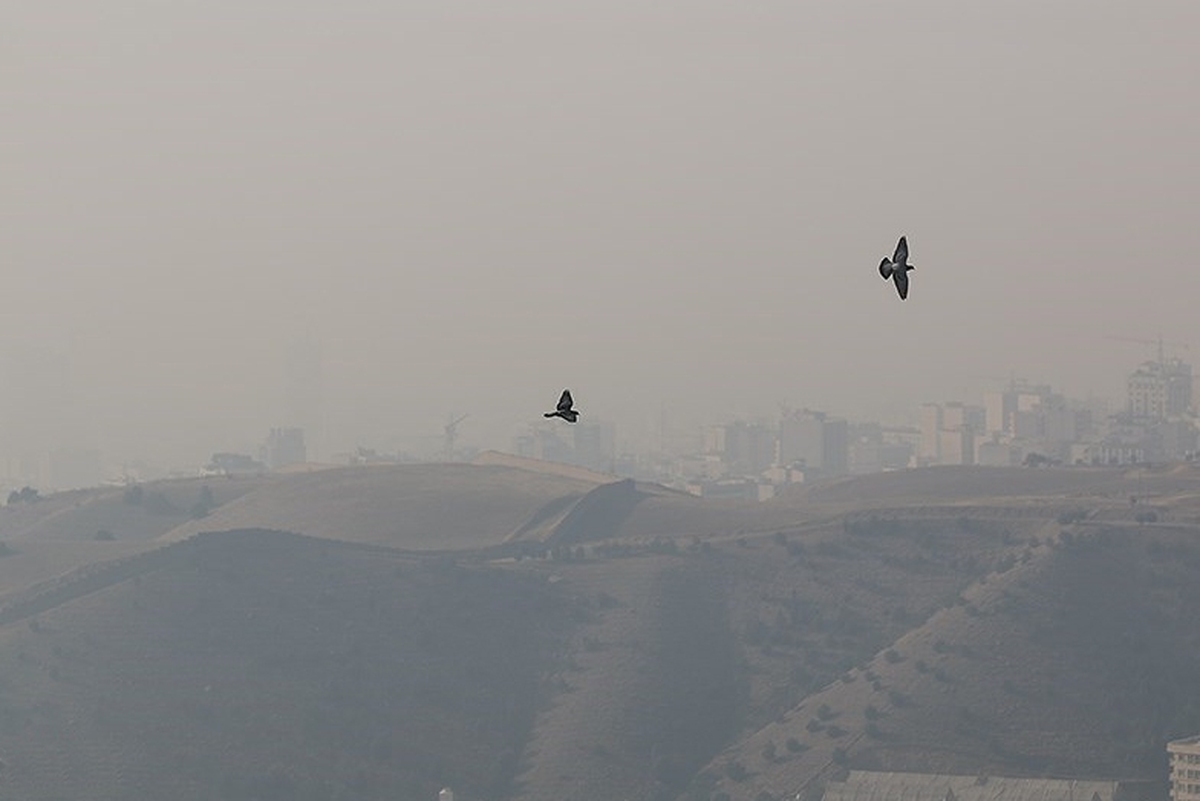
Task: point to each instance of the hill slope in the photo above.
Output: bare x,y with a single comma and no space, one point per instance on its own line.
1080,658
263,665
421,507
668,647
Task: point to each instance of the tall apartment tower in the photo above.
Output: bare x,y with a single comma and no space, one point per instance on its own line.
819,441
303,390
1160,390
1184,763
284,446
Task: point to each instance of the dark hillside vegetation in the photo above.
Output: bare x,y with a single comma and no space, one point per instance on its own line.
1080,659
258,665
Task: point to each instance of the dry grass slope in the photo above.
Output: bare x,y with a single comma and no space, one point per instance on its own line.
419,507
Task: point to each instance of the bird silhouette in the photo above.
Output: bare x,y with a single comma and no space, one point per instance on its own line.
564,409
897,267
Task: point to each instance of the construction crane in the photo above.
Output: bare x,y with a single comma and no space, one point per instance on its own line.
450,435
1157,342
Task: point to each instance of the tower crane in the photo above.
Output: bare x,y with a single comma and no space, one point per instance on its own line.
450,435
1159,342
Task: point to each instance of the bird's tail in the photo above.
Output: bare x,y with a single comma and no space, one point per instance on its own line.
885,268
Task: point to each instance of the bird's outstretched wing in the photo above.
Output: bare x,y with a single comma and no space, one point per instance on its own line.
901,251
901,279
885,268
565,402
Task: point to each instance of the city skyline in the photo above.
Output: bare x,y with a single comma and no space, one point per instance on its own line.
679,206
680,433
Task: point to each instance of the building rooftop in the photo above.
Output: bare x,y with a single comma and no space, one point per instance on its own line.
1193,740
882,786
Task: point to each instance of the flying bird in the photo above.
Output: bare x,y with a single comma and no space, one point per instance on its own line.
564,409
897,267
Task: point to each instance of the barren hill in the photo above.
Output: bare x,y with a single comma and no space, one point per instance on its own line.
421,507
68,530
655,646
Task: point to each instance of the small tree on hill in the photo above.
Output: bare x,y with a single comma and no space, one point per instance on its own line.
736,771
26,494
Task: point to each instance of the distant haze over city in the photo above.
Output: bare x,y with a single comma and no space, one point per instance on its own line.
218,219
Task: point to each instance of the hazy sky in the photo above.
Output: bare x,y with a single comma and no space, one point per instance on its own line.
468,206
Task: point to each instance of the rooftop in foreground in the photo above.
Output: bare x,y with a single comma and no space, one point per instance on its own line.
863,785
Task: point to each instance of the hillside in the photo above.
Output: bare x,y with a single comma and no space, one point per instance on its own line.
1079,658
658,646
264,665
420,507
68,530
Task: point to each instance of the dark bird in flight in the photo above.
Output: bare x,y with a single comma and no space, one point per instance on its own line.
564,409
897,267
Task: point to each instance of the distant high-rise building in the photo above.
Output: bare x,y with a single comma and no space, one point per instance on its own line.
957,446
714,440
948,432
999,407
931,429
595,445
544,443
835,450
749,447
303,389
820,442
1160,390
284,446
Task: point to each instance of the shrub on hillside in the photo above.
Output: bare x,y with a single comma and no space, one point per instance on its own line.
26,494
736,771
